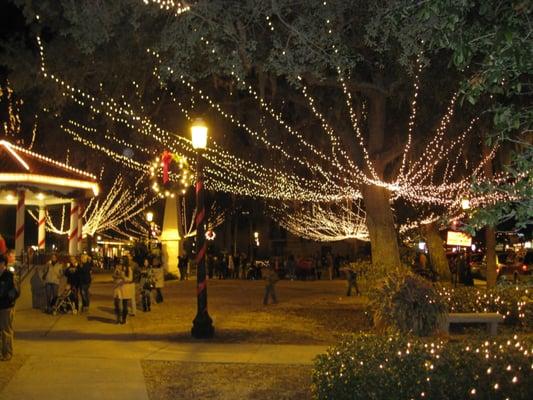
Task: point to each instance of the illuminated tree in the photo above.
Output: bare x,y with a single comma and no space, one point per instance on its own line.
312,102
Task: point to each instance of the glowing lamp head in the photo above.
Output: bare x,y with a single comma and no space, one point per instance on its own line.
465,204
199,134
40,196
256,235
149,216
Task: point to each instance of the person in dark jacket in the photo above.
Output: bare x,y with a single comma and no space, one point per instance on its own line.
8,295
72,273
85,279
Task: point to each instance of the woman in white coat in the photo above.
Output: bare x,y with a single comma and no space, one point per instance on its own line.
123,289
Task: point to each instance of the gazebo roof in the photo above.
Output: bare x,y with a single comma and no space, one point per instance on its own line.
24,169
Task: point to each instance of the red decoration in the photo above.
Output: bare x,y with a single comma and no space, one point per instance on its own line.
166,158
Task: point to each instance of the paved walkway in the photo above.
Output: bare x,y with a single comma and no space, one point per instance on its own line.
94,360
96,369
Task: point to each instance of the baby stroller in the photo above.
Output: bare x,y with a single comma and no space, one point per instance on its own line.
65,302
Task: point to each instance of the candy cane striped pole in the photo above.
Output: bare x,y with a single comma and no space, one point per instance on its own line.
19,228
73,232
80,229
202,324
41,226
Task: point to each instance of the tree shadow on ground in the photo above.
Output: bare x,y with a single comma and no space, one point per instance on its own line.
221,336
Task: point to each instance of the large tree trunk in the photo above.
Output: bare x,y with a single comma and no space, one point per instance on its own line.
436,251
490,241
379,216
380,222
490,232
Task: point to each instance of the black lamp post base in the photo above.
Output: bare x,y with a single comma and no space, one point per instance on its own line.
202,327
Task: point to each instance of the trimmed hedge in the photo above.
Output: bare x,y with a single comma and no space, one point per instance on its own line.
394,367
515,304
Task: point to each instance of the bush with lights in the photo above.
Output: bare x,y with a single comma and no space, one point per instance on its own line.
402,367
515,304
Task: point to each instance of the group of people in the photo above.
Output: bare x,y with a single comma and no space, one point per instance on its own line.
240,266
78,275
129,279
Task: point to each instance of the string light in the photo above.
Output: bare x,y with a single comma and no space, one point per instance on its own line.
228,173
323,222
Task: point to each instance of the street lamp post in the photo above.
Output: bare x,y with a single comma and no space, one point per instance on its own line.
150,219
202,325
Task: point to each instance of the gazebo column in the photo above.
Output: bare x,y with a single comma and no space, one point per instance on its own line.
41,234
80,229
19,228
73,232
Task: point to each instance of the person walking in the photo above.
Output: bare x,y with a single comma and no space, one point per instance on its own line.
122,289
9,293
351,279
85,272
271,277
52,278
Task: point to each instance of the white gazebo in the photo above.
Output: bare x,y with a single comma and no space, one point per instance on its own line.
31,179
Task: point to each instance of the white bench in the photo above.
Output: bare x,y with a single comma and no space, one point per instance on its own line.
491,319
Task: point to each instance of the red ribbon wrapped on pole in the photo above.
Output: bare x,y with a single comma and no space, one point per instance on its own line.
166,158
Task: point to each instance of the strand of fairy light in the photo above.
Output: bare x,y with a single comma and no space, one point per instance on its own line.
120,205
323,222
278,117
116,156
355,125
412,117
253,133
284,180
115,107
274,173
49,224
147,128
432,148
235,121
169,5
327,128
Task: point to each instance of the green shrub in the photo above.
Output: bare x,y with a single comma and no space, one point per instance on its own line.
408,303
401,367
513,303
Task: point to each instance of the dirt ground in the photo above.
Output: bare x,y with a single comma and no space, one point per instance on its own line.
166,380
314,312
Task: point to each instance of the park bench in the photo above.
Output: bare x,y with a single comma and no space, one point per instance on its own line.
491,319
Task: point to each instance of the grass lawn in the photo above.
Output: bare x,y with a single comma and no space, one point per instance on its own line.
168,380
314,312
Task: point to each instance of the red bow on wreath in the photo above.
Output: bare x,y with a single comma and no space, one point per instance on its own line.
166,158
